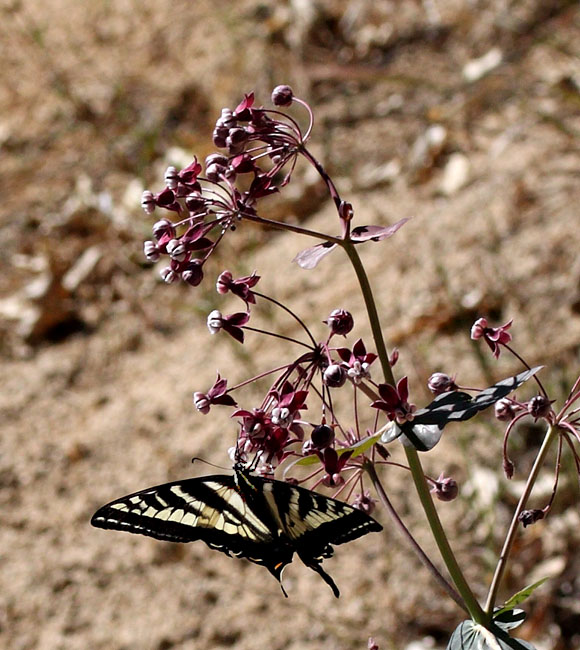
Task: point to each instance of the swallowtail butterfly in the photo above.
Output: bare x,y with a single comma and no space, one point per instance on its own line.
243,515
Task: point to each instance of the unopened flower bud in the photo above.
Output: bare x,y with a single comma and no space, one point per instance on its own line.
345,211
340,321
394,357
282,96
528,517
194,202
372,644
504,410
219,136
216,159
171,177
224,282
215,172
151,251
177,250
169,275
193,273
148,202
539,407
201,402
226,118
214,321
322,436
236,137
162,228
334,376
445,489
439,383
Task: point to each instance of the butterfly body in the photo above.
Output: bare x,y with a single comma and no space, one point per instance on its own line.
246,516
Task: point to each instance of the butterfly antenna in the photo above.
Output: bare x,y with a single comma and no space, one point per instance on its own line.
202,460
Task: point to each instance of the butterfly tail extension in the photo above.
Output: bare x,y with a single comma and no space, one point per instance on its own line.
316,565
277,569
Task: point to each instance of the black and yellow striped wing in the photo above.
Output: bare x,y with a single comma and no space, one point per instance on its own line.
263,520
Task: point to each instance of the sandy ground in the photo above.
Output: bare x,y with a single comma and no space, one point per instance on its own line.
99,360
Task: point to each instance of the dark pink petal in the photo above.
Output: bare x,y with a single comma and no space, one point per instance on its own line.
238,319
234,332
389,394
197,231
219,387
246,103
310,257
261,186
200,244
345,354
189,174
243,164
403,389
224,400
359,349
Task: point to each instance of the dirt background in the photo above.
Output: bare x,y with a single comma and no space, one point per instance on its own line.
99,359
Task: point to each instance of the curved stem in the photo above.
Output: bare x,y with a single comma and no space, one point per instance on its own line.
551,434
473,607
279,225
369,467
288,311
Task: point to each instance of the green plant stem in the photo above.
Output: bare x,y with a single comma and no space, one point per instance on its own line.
371,307
551,435
474,608
370,469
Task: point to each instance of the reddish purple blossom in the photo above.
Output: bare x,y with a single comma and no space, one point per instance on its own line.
217,394
333,464
357,361
493,336
242,287
394,401
364,502
232,324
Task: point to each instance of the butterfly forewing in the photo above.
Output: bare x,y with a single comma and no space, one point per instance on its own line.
210,509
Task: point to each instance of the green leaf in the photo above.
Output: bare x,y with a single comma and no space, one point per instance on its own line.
357,449
519,597
361,446
469,635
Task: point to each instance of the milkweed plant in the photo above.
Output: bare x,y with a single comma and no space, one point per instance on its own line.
296,431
